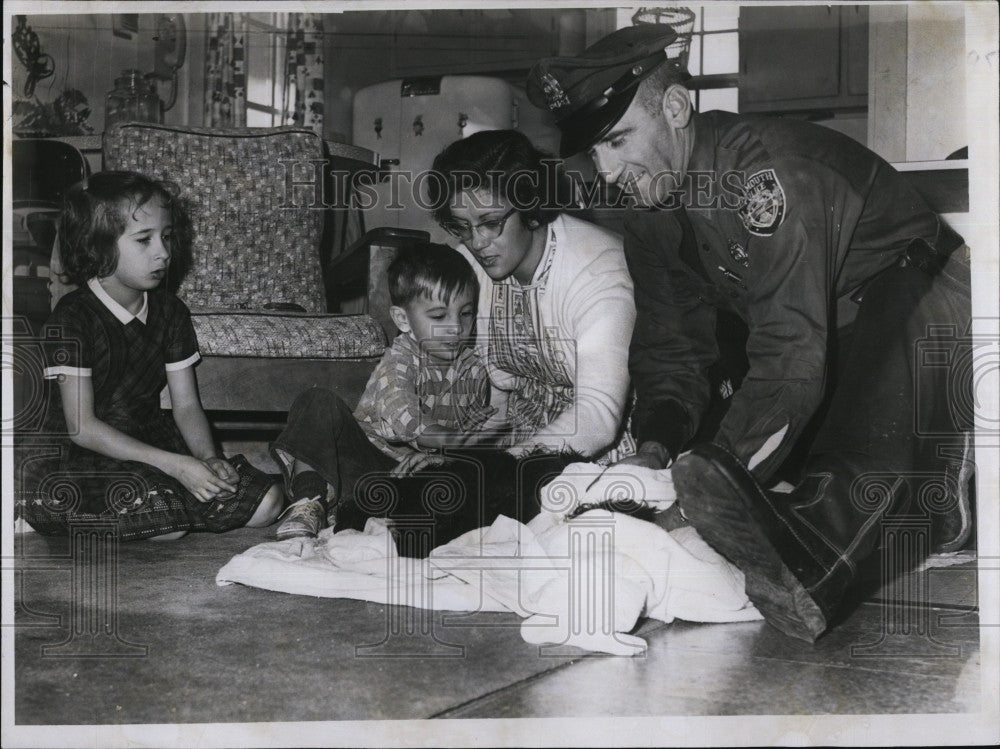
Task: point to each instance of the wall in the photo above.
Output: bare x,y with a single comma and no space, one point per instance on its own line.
88,57
917,81
916,73
935,46
362,48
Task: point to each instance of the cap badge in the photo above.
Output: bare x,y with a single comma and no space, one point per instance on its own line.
553,92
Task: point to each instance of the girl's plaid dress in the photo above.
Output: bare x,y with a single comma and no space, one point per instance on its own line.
126,358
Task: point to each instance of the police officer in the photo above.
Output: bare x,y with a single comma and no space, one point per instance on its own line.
846,281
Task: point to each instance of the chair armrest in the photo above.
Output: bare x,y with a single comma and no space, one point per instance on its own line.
360,271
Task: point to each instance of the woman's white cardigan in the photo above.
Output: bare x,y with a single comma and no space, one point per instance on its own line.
587,297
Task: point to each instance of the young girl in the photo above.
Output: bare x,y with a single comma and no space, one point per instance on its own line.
111,345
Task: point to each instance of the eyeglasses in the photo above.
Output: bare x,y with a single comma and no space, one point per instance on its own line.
491,228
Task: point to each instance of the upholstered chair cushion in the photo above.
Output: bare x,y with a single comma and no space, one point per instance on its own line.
287,335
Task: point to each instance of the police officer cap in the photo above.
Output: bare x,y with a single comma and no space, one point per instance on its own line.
589,93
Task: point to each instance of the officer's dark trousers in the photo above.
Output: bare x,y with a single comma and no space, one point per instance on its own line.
429,508
896,431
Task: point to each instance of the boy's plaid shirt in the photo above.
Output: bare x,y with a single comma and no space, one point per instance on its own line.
408,392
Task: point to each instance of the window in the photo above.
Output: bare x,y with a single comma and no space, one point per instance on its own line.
270,97
714,53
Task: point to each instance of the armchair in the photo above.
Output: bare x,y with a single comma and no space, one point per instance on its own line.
256,283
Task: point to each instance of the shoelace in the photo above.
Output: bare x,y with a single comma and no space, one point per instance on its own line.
298,504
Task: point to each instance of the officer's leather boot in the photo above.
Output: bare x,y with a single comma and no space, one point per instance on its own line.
798,551
951,514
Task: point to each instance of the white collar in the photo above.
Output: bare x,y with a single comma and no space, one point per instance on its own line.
123,315
541,275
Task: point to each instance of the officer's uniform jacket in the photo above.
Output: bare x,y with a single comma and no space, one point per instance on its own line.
787,219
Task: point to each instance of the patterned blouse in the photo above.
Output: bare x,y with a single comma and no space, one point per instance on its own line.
557,348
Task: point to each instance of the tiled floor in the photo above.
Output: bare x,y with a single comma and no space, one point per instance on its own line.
202,653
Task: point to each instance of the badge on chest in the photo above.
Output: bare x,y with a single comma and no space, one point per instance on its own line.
739,253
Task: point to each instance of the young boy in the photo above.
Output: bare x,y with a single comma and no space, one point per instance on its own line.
429,390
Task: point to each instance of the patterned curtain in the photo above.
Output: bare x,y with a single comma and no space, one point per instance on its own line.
225,71
305,68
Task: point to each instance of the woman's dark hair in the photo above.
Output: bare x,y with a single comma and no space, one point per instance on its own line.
95,213
505,165
426,268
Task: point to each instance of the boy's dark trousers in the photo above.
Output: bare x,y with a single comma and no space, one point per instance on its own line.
437,504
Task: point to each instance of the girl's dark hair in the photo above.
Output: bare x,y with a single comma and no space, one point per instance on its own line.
426,268
504,164
95,213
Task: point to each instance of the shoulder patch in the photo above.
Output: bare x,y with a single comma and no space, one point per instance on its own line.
763,208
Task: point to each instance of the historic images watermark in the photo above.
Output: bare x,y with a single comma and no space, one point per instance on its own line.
25,358
970,363
314,184
91,627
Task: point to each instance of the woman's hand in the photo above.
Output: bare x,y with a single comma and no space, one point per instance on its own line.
416,461
498,438
649,455
474,419
199,478
642,459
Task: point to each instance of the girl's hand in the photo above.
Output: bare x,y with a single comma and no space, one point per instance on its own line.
416,461
224,470
199,479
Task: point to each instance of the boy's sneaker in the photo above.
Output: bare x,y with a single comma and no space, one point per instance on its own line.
305,518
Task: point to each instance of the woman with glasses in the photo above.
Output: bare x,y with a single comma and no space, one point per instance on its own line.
555,310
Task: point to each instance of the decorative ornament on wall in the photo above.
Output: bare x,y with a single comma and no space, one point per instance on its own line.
29,51
66,115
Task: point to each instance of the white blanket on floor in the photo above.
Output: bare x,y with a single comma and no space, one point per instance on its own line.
583,582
